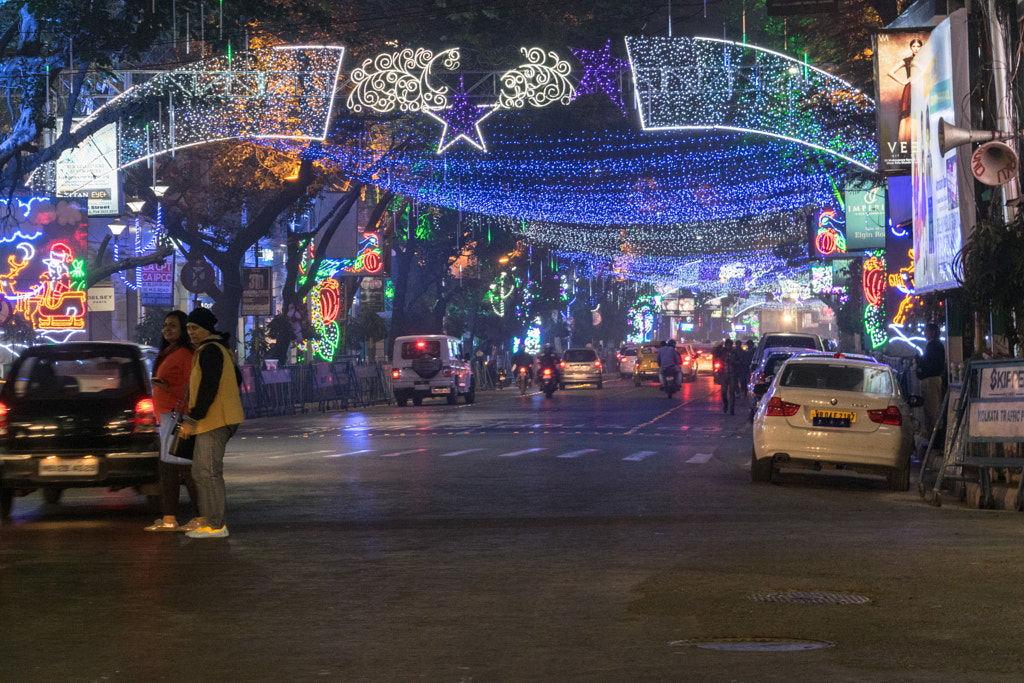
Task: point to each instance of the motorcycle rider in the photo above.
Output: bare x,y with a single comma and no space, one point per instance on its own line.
522,359
548,359
669,360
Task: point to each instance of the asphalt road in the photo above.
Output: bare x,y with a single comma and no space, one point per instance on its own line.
600,536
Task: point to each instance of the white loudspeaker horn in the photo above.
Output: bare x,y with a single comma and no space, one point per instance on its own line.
951,136
994,163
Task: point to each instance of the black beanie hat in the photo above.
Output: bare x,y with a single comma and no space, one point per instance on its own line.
203,317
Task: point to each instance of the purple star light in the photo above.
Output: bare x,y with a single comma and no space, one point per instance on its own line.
600,71
461,119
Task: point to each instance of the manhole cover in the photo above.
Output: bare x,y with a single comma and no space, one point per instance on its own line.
756,644
811,598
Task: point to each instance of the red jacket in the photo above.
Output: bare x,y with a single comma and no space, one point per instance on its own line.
174,368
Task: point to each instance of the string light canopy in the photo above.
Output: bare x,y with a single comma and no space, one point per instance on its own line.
616,176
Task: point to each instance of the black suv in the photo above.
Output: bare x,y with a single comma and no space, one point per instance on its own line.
74,415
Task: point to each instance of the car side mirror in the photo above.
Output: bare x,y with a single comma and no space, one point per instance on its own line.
915,401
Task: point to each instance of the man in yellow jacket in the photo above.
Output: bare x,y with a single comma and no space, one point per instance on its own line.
214,413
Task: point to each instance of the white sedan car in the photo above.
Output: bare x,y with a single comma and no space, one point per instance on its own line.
832,412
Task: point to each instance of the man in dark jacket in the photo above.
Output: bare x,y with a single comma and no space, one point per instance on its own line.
931,370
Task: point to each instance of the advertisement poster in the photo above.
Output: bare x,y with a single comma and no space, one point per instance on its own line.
940,92
895,61
89,172
156,283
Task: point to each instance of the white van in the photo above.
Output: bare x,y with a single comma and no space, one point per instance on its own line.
429,365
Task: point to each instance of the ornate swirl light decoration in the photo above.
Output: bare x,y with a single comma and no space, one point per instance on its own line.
400,81
542,80
405,82
503,287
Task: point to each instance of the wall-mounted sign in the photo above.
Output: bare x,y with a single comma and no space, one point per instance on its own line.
257,297
156,284
101,299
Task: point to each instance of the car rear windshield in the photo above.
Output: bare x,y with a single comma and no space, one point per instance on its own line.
774,362
628,352
66,376
580,356
800,342
417,349
837,378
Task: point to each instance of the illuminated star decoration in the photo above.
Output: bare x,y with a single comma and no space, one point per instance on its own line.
600,69
461,120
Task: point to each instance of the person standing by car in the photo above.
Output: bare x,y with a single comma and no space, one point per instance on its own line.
171,369
214,413
931,369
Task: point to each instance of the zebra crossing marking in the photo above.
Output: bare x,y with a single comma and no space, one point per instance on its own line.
515,453
342,455
468,450
639,455
394,455
701,458
576,454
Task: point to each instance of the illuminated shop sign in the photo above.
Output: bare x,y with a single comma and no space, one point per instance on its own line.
43,270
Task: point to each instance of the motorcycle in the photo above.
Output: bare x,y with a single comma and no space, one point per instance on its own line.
670,384
548,382
523,381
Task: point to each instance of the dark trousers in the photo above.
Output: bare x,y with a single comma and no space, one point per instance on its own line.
171,479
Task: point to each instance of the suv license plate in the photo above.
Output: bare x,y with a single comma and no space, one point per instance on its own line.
58,467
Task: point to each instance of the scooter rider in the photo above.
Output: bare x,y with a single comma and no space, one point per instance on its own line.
669,360
522,360
548,359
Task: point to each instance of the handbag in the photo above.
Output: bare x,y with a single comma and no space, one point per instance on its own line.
181,447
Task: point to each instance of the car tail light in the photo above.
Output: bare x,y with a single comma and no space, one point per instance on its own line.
779,408
522,371
561,364
718,365
597,363
889,416
3,421
421,345
144,421
619,356
396,373
686,359
547,372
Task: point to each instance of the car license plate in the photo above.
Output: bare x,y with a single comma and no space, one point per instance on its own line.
440,390
832,418
59,467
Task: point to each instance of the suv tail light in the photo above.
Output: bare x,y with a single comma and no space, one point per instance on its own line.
144,421
597,363
779,408
561,364
3,421
889,416
396,373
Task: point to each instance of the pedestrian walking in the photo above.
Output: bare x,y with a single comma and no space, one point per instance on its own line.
728,372
214,413
931,370
171,369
